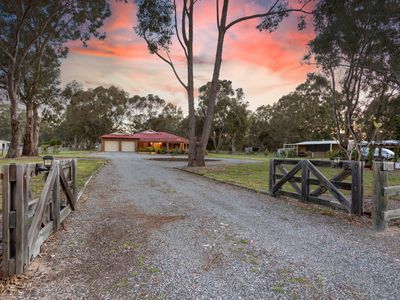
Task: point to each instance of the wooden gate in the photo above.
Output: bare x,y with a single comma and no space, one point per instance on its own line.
311,176
28,220
381,214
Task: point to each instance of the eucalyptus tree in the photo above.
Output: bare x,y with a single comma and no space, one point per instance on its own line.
26,24
357,47
93,112
160,20
39,89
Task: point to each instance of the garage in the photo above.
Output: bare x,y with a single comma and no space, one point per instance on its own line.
118,142
128,146
110,146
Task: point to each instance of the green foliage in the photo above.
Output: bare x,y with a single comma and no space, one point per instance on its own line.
231,120
336,153
301,115
147,149
155,23
92,113
266,152
356,48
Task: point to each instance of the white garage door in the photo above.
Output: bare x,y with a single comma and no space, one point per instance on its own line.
128,146
111,146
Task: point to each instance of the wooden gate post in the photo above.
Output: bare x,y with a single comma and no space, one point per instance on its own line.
74,176
305,182
357,179
56,198
380,201
272,170
6,207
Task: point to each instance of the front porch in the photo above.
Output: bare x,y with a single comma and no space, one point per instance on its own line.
154,146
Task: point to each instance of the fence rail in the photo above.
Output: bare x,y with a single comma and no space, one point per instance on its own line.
381,214
279,175
27,221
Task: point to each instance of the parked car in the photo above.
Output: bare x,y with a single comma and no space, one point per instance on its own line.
386,153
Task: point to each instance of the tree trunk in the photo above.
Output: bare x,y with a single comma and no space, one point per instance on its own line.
36,129
13,150
28,148
200,155
233,148
190,91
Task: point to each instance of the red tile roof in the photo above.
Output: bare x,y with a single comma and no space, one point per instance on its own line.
148,136
152,136
118,136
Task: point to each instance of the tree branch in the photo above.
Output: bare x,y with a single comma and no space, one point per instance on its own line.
269,13
177,31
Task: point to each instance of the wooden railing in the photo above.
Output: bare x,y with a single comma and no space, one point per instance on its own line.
381,215
27,220
284,171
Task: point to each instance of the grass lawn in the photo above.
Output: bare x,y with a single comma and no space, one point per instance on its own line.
255,176
255,156
86,167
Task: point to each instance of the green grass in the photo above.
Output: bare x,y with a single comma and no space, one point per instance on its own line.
244,156
86,167
256,175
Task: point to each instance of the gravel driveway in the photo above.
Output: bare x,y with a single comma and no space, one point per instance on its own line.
147,230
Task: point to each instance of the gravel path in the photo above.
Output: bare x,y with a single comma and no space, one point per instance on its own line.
147,230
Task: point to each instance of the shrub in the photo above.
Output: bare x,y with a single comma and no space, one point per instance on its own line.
337,153
266,152
55,143
148,149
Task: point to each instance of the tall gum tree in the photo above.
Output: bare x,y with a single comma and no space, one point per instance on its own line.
357,48
26,24
160,20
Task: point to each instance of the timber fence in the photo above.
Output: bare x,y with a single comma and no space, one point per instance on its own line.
29,217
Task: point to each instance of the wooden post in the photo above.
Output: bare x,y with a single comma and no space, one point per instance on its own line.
380,201
6,188
271,176
56,198
357,174
20,210
305,176
74,178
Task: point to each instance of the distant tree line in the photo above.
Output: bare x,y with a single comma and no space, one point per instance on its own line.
78,116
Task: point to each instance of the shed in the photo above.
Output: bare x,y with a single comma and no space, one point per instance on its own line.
316,148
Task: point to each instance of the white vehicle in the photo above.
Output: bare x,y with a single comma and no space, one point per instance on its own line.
386,153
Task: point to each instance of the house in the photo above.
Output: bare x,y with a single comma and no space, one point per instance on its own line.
160,140
313,148
118,142
143,141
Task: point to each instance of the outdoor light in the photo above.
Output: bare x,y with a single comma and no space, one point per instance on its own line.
47,163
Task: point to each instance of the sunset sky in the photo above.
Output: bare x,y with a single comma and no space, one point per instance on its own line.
265,65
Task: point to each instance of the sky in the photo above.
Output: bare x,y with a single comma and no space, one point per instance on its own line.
267,66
